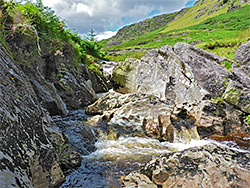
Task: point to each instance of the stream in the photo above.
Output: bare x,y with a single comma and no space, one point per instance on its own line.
106,161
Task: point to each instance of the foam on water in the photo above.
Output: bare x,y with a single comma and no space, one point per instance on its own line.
136,149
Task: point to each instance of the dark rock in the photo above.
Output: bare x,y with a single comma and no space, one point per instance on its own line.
99,82
49,97
60,83
27,157
207,166
233,7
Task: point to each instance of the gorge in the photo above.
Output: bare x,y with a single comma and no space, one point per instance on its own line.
179,116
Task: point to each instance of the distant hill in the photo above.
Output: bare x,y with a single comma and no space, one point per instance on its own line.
205,22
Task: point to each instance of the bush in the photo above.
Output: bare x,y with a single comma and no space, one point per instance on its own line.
37,21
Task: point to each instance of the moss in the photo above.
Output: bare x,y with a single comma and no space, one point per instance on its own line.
151,96
232,96
248,119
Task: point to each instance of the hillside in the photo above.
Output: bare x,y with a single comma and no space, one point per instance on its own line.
45,70
213,25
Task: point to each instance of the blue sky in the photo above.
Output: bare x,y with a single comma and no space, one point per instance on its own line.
106,17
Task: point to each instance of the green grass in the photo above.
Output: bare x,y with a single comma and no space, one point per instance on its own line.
39,24
221,34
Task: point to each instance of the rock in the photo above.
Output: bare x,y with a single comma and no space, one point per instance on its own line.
236,95
135,179
107,69
125,75
142,115
60,83
238,140
242,55
183,74
206,166
205,66
188,78
49,97
27,158
233,7
32,150
99,82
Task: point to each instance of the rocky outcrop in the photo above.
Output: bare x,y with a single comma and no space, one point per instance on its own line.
207,166
242,55
183,74
238,96
29,145
188,78
60,83
142,115
243,58
99,82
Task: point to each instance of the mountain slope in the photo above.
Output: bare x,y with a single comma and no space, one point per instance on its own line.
208,24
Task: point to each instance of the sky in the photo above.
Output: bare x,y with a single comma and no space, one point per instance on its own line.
106,17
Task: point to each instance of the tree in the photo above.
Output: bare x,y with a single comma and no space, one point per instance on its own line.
91,35
39,3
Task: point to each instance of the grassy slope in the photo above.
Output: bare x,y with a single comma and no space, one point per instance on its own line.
219,32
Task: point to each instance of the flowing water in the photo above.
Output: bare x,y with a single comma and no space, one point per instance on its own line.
107,161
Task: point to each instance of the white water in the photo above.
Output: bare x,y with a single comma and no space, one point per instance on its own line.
136,149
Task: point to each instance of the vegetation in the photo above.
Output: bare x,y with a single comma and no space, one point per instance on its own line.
220,32
35,21
248,119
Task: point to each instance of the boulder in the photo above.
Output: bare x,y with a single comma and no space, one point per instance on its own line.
238,96
242,55
206,166
182,74
218,117
142,115
190,78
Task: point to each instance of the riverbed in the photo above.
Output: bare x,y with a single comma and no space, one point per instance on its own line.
106,161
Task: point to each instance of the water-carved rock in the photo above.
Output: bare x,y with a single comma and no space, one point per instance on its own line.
142,115
205,166
190,78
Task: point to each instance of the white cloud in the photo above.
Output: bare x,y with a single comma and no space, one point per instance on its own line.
105,35
108,15
51,3
81,7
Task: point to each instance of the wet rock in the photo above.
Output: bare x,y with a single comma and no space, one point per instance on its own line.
218,118
142,115
206,166
135,179
27,157
66,155
237,140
